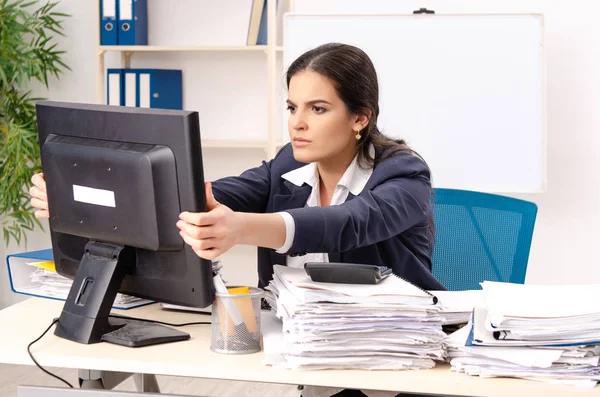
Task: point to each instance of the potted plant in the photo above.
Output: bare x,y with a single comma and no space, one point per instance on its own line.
27,54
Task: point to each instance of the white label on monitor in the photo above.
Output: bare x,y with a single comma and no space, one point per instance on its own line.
126,10
109,9
144,90
105,198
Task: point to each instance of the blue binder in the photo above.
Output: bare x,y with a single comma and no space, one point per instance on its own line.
133,22
109,22
155,88
262,30
20,268
129,88
114,87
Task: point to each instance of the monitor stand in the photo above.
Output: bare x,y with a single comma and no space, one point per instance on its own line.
85,316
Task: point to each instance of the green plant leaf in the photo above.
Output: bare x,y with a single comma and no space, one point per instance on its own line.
28,52
25,5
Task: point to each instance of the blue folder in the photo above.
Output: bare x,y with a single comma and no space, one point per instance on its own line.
19,270
155,88
133,22
109,18
262,30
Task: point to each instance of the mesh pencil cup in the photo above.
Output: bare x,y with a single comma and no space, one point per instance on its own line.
236,322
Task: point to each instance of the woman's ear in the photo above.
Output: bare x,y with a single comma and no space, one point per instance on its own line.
362,120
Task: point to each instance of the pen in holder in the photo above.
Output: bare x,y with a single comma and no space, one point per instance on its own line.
236,321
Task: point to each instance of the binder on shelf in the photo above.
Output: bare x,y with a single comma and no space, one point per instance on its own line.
255,17
133,22
129,88
33,273
160,88
109,22
153,88
114,87
263,31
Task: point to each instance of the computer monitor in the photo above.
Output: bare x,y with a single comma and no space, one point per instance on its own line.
117,180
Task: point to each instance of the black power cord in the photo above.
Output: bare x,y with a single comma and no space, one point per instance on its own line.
38,365
113,316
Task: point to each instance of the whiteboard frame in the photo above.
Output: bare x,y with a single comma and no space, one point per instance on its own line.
542,58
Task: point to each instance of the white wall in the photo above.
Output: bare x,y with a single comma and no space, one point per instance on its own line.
566,231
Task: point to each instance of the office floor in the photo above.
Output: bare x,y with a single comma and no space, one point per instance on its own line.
13,375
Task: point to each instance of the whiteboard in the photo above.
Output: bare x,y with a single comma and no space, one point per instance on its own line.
465,91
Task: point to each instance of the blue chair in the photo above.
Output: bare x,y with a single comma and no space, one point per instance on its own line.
480,236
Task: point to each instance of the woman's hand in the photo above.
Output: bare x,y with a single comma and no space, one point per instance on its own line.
211,233
39,198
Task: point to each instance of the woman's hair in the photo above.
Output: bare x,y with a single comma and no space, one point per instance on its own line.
354,77
355,80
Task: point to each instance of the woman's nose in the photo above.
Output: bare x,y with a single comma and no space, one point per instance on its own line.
297,121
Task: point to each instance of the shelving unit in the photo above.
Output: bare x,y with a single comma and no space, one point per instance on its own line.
270,144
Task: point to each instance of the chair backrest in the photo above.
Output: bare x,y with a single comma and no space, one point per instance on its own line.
480,236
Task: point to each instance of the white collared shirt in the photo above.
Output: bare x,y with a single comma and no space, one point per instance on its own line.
353,181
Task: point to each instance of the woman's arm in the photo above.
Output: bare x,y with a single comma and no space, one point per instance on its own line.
248,192
401,201
235,207
374,216
214,232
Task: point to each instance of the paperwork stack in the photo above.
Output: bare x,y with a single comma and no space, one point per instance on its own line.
456,307
53,285
545,333
34,273
390,325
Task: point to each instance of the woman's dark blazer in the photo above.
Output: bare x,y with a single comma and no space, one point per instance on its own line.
386,224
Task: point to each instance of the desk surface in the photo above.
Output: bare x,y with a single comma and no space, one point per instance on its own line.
22,323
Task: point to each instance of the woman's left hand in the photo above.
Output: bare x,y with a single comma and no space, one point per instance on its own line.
210,233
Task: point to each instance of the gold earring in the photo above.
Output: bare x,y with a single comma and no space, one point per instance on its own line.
357,136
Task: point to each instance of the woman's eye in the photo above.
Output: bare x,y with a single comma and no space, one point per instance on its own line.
319,109
291,108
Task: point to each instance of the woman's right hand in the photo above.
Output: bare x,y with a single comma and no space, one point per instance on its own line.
39,198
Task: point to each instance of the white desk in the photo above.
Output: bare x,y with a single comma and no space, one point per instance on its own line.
22,323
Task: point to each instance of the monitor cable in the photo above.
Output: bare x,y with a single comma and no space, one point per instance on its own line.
113,316
38,365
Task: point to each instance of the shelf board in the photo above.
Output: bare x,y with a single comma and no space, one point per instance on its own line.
225,144
158,48
155,48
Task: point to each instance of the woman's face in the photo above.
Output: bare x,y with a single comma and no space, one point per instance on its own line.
319,123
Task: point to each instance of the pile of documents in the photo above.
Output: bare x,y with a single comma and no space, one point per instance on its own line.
456,307
545,333
390,325
52,285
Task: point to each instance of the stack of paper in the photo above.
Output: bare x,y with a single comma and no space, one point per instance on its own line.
391,325
576,365
546,333
456,307
53,285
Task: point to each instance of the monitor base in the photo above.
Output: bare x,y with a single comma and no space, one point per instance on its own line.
85,316
133,333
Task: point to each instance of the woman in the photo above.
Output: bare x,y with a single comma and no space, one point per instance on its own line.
339,192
